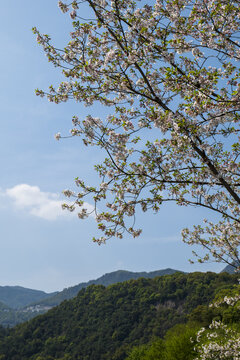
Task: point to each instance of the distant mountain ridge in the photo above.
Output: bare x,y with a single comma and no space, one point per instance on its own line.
103,323
18,304
230,269
106,279
17,297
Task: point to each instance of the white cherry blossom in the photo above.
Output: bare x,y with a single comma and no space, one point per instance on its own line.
169,75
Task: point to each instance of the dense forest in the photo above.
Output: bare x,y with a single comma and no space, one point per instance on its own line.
106,279
18,304
122,321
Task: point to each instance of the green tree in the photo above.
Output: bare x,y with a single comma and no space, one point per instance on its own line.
178,344
138,353
222,338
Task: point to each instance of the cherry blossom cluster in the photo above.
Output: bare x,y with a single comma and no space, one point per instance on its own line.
229,300
220,240
221,341
169,75
218,342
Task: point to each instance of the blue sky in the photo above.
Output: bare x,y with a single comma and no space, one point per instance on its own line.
41,246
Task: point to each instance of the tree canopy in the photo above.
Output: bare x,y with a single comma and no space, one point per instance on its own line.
169,73
103,323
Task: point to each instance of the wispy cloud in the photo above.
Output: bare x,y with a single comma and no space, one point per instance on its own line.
38,203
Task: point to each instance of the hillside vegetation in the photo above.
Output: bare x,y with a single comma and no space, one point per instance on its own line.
104,323
17,297
107,279
20,304
13,303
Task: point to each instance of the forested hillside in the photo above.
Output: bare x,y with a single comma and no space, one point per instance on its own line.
17,296
10,317
107,279
104,323
25,304
13,303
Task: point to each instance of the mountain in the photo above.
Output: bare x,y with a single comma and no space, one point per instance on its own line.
107,279
4,307
230,269
14,299
24,304
17,297
103,323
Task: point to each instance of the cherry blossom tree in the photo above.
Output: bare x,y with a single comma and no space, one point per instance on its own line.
221,341
168,71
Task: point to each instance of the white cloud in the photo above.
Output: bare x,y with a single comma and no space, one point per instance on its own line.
38,203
